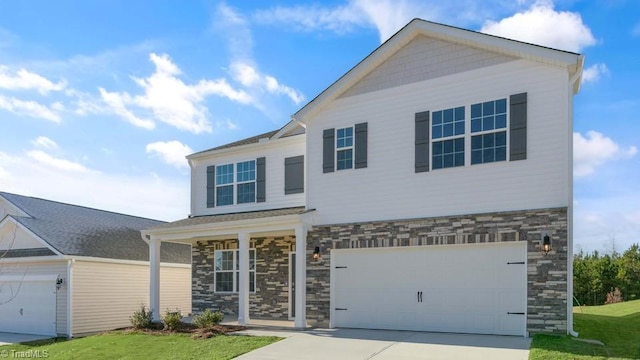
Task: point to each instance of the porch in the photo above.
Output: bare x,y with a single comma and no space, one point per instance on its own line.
244,265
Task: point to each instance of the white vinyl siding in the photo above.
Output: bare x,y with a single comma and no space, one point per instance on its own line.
540,181
105,295
274,152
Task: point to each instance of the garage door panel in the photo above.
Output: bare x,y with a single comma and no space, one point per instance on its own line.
30,308
465,288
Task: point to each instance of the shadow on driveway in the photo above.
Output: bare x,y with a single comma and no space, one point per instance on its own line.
10,338
387,345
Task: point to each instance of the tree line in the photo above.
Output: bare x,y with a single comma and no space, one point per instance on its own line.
606,278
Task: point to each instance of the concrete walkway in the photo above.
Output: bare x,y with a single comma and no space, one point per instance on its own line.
386,345
10,338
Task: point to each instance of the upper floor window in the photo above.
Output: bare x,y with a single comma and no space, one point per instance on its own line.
244,185
447,131
489,122
344,148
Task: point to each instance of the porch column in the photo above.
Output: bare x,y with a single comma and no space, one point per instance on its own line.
243,290
154,277
301,277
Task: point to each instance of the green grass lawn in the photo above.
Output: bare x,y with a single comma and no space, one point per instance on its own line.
119,345
616,325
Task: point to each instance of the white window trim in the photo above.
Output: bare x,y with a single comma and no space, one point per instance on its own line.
234,271
352,147
467,144
235,183
452,137
468,134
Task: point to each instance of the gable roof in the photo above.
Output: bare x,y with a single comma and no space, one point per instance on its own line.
572,61
81,231
247,141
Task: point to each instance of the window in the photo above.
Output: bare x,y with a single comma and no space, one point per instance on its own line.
344,148
227,270
447,131
244,184
489,122
224,185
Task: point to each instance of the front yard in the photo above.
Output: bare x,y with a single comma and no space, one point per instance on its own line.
122,345
616,325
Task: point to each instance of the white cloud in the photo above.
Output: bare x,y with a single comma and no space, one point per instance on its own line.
543,25
171,152
594,150
45,143
117,102
168,99
28,108
26,80
594,72
249,76
230,125
242,66
386,16
47,160
339,19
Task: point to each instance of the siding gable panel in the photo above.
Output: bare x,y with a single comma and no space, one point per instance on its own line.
424,58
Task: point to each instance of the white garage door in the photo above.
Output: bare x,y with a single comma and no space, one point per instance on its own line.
32,309
478,288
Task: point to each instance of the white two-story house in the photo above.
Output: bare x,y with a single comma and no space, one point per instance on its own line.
429,188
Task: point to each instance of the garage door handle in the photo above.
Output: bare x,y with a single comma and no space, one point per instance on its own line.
419,296
343,309
515,313
516,263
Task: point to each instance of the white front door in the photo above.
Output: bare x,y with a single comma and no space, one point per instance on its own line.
28,306
479,288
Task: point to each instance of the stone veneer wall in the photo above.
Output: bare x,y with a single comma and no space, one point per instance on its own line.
546,274
271,299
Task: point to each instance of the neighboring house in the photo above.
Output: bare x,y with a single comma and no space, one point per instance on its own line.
415,193
67,270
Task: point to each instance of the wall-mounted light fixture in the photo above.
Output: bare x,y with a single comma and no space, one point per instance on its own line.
316,253
546,244
59,283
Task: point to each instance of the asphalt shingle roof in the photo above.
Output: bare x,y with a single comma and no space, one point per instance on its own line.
214,219
82,231
247,141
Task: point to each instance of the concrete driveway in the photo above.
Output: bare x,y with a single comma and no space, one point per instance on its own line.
10,338
387,345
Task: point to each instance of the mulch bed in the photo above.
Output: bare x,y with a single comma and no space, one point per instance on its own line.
158,329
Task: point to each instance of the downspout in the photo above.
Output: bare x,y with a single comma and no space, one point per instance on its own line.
572,83
70,297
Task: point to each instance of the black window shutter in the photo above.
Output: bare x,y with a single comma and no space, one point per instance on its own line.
211,186
261,193
518,126
422,141
294,175
361,145
328,149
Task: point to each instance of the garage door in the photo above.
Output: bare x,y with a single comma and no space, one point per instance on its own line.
478,288
33,309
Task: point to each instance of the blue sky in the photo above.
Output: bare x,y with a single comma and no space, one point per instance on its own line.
101,100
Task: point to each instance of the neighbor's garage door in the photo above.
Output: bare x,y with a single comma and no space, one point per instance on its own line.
32,308
477,288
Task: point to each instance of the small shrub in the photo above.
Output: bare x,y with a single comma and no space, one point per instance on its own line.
172,320
207,319
142,319
614,296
